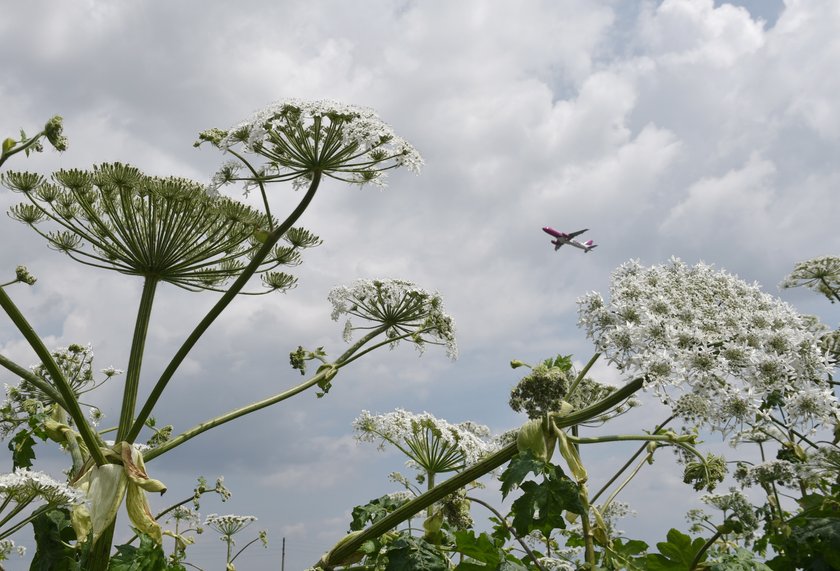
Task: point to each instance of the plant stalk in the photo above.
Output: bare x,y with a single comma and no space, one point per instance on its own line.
135,358
217,309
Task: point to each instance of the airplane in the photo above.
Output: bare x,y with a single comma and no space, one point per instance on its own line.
563,238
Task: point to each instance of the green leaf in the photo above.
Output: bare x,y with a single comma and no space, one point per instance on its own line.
414,554
520,466
8,144
22,446
479,547
52,530
541,506
148,557
676,554
374,510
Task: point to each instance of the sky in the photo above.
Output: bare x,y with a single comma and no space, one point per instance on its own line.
690,128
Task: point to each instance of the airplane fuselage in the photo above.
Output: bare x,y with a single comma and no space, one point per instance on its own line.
561,238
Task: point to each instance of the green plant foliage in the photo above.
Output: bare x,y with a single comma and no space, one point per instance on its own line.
374,510
414,554
484,552
676,554
52,534
148,557
541,505
520,466
627,555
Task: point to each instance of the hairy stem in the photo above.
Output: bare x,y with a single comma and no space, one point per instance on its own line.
34,379
135,358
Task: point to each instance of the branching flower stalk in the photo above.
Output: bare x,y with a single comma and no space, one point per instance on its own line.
426,324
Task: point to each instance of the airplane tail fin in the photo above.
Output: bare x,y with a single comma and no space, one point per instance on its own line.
589,245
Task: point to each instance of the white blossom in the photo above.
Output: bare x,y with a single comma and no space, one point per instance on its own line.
24,485
405,310
695,330
431,444
298,137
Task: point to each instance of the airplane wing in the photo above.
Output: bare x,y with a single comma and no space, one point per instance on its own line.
557,245
578,233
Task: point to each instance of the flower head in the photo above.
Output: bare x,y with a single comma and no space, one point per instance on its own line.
819,274
431,444
115,217
706,332
228,525
23,486
301,138
403,309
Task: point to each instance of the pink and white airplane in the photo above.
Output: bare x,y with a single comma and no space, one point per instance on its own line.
563,238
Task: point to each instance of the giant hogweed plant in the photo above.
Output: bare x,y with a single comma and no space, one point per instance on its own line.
168,230
725,357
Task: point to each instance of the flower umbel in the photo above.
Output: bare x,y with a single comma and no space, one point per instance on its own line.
819,274
115,217
707,332
403,309
431,444
299,138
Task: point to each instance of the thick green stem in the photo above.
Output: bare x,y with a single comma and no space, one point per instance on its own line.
135,358
697,558
471,474
71,404
232,415
217,309
582,374
5,156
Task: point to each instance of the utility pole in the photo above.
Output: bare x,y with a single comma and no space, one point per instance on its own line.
283,556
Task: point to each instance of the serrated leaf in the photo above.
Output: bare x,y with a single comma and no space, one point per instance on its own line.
541,506
479,547
374,510
148,556
518,468
53,532
22,446
414,554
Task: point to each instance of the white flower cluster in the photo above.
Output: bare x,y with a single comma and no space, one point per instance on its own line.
229,525
346,142
405,310
7,546
736,348
466,442
735,505
25,485
779,472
